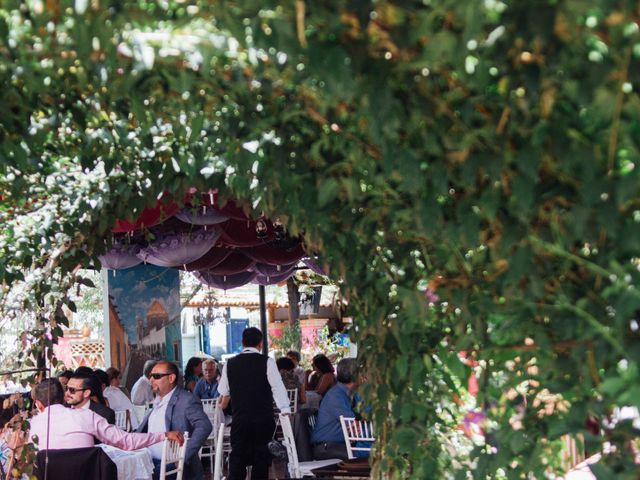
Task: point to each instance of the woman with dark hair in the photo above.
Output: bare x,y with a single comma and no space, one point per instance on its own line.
95,381
192,373
118,400
322,378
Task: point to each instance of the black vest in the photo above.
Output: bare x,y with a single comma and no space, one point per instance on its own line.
249,387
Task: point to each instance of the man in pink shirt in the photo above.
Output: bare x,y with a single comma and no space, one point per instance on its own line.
58,427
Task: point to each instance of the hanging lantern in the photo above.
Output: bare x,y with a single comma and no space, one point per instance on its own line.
261,229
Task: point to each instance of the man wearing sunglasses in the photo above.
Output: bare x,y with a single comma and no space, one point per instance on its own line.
176,409
78,393
58,427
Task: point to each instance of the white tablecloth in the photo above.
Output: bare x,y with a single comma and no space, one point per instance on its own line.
134,465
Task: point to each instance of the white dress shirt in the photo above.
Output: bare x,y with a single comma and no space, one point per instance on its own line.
280,396
118,401
157,422
142,392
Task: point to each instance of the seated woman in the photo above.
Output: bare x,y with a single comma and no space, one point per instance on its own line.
118,401
286,367
192,373
324,377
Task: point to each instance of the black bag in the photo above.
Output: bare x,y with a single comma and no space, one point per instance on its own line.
277,450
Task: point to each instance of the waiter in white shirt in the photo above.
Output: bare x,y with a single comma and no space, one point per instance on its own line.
252,382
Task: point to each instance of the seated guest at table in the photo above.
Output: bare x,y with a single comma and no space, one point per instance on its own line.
322,377
176,409
11,437
115,377
58,427
118,401
79,392
299,371
286,367
207,386
63,377
192,373
327,437
142,392
103,381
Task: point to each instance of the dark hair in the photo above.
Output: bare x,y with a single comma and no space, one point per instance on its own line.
251,337
285,363
294,354
322,363
66,374
49,392
84,370
346,370
191,366
171,368
90,381
113,373
102,376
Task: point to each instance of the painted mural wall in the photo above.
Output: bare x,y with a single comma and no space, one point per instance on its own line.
144,305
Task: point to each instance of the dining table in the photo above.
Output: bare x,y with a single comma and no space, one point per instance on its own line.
353,469
131,465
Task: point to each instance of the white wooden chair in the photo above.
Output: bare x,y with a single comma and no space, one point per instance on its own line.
298,469
208,404
356,431
312,419
216,417
123,420
219,454
173,453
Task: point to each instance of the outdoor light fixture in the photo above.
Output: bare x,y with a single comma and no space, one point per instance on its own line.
278,229
261,229
209,314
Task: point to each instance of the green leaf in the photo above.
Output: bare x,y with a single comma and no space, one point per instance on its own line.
406,438
328,192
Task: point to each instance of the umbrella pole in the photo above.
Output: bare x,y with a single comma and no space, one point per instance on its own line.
263,319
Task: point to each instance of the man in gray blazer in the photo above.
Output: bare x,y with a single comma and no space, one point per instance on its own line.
176,409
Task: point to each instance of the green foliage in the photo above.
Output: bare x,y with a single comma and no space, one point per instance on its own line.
288,340
487,149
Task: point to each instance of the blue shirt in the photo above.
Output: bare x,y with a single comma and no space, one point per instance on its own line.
336,402
205,390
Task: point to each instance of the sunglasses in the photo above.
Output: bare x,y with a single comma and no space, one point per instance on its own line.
73,391
158,376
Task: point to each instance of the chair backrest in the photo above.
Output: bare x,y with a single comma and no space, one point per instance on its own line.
89,462
173,453
123,420
312,420
208,404
217,469
356,431
289,442
293,399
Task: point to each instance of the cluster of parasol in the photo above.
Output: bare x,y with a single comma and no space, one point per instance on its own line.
222,246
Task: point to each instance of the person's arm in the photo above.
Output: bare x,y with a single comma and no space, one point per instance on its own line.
112,435
302,394
223,401
325,383
280,396
198,390
199,422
